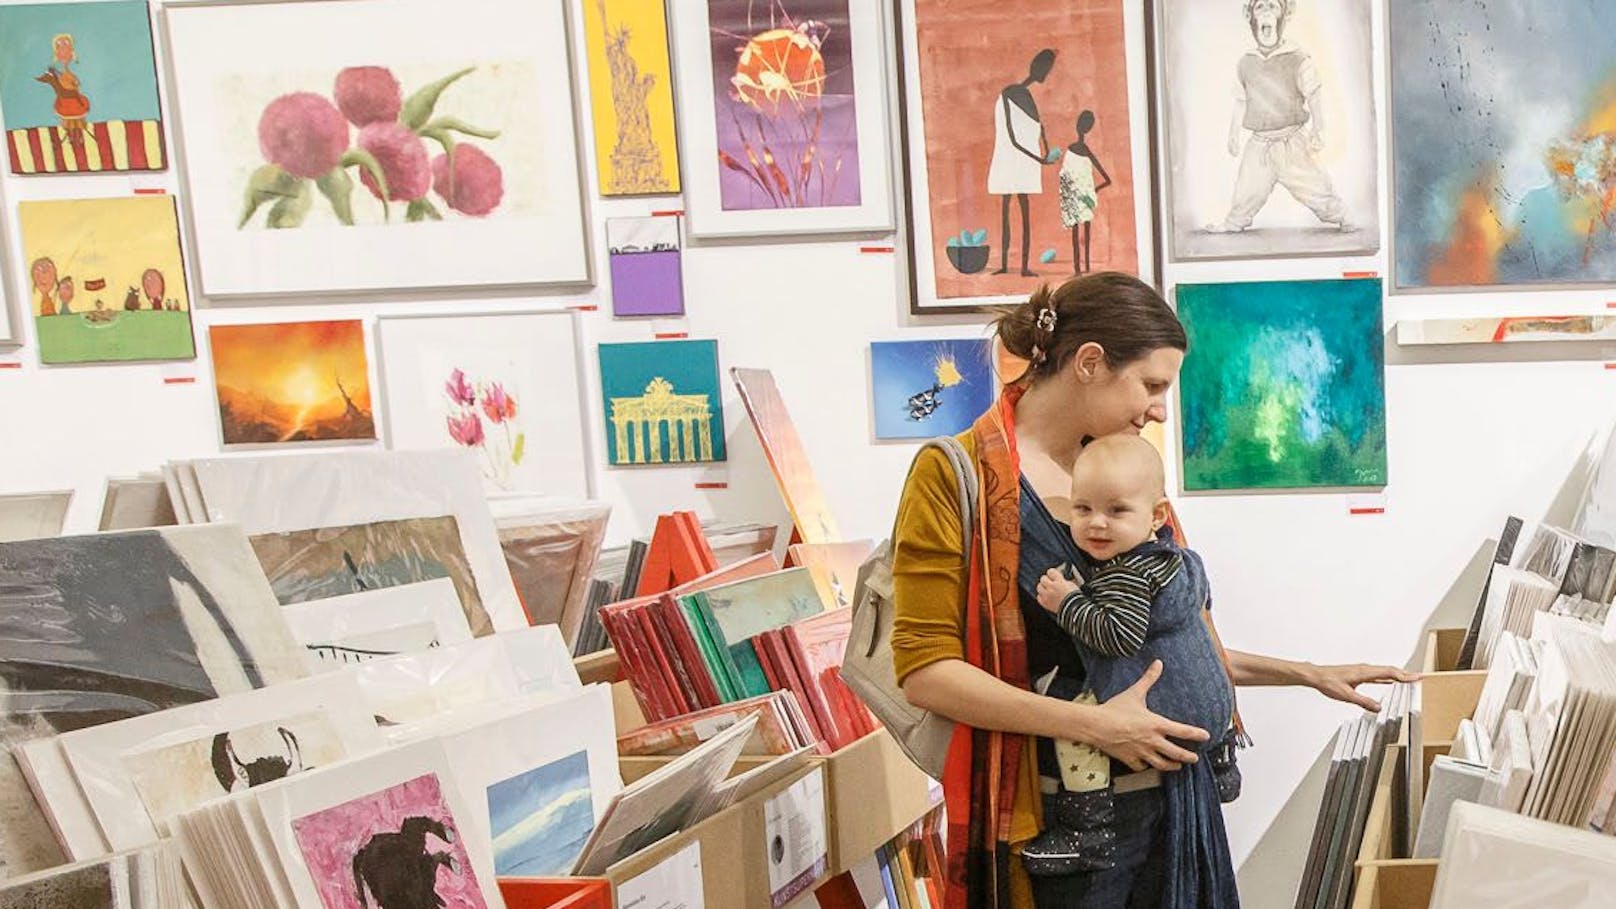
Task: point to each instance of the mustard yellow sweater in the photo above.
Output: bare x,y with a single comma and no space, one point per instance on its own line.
928,579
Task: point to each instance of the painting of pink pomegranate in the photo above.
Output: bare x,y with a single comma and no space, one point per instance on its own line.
402,150
362,146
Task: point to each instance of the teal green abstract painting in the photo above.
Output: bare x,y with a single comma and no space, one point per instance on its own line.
663,402
1284,386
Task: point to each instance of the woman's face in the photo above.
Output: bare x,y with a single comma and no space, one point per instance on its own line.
1128,398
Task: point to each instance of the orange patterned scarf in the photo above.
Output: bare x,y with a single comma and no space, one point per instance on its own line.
979,781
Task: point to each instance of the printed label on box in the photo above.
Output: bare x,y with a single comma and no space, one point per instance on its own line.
794,824
674,883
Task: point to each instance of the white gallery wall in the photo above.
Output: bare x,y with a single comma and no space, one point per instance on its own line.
1470,440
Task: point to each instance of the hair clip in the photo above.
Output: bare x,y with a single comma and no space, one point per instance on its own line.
1046,320
1038,357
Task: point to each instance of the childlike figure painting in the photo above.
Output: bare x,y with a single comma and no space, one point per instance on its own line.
924,389
1266,95
399,847
78,84
541,819
783,97
1027,144
292,382
107,279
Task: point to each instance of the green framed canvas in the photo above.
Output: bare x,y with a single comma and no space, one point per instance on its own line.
1284,387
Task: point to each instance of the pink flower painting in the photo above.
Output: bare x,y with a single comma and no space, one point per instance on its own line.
400,841
500,440
314,145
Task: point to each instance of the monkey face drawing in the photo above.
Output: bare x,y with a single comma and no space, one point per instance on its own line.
1267,19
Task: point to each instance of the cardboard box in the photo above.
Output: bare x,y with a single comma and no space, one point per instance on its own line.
745,852
1445,699
1442,649
873,791
1402,884
1378,843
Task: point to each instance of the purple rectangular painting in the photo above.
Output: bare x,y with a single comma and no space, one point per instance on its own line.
647,279
783,96
400,843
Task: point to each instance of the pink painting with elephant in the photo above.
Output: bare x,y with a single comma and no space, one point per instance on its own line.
395,848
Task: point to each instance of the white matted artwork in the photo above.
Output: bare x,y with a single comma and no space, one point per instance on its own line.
505,386
290,142
278,494
1269,115
772,140
321,823
359,627
139,773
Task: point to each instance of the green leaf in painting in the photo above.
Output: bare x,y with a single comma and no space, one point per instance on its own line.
519,448
337,187
460,126
442,137
418,107
358,157
267,184
290,211
422,210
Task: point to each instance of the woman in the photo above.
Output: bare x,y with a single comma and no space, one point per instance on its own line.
1104,350
1020,153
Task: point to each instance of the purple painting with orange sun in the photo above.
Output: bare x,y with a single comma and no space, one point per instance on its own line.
783,96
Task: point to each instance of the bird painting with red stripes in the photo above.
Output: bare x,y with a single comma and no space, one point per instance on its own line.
78,87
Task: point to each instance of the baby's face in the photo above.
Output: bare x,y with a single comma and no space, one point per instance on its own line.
1113,508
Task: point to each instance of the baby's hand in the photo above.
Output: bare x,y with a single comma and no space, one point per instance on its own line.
1052,589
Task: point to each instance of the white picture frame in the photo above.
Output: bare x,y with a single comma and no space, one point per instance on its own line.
536,358
521,86
1201,43
690,34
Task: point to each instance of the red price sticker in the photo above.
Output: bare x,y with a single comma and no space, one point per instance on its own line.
1365,505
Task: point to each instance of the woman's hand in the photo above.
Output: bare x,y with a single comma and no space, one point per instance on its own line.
1126,729
1341,682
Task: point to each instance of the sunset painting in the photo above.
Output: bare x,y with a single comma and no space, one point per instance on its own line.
292,382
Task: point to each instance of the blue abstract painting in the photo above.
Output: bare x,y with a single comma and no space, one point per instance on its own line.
924,389
542,818
1284,386
1504,137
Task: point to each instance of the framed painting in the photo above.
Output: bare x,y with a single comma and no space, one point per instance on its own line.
107,279
78,84
506,386
1270,128
774,141
925,389
631,96
1287,387
281,383
1501,173
663,403
1026,146
347,148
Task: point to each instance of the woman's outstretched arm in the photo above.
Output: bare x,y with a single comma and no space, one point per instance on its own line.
1339,682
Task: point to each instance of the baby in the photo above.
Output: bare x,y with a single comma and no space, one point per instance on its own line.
1139,598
